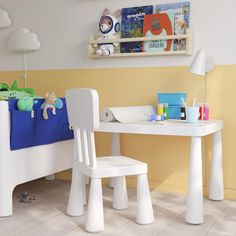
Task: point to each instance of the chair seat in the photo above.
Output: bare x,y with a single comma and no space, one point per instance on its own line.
112,166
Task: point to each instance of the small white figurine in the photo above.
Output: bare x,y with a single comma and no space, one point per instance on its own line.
109,26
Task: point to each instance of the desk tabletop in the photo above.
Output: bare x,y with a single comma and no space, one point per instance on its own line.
170,127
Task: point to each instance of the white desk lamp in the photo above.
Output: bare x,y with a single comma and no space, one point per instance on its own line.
5,20
201,65
24,41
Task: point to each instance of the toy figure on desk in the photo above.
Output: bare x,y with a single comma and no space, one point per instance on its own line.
108,27
51,102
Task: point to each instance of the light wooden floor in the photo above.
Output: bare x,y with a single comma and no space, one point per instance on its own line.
46,215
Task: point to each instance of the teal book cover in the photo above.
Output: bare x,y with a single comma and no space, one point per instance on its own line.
181,11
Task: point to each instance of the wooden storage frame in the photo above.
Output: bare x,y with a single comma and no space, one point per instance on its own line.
187,36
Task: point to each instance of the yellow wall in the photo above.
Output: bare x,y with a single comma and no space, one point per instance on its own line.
167,156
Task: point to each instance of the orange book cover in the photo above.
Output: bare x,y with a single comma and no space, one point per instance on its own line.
158,24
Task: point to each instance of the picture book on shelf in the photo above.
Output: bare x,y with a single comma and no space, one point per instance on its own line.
181,12
132,26
161,24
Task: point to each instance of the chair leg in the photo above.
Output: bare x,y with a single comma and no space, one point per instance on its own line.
120,198
95,217
77,192
144,204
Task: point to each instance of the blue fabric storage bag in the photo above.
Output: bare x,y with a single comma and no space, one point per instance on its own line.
22,130
22,127
66,132
48,131
28,132
54,128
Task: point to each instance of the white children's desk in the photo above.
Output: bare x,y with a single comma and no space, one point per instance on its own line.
194,211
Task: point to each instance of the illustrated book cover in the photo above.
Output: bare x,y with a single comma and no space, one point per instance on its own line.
181,12
158,24
132,26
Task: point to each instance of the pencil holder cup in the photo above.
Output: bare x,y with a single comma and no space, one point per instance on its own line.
192,114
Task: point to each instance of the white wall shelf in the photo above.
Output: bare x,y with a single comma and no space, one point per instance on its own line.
187,51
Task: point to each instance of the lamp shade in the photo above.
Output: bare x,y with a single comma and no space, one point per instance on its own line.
198,65
23,41
5,20
201,64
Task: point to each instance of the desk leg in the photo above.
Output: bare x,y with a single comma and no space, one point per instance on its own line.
115,150
216,188
194,211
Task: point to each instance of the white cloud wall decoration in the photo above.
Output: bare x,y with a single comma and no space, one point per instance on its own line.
5,20
23,41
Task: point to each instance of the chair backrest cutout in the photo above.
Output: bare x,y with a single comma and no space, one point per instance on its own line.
83,112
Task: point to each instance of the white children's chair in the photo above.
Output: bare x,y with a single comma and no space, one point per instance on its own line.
83,112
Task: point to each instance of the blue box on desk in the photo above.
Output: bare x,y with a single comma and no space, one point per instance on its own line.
174,101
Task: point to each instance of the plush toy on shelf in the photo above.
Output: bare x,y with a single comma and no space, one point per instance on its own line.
109,26
50,99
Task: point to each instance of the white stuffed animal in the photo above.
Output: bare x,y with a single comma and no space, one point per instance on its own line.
50,99
108,27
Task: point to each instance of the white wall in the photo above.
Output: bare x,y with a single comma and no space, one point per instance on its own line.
64,27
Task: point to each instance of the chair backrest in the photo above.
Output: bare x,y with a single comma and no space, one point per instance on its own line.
83,112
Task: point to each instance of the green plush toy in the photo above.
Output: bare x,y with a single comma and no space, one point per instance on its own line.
14,87
4,87
7,93
25,104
